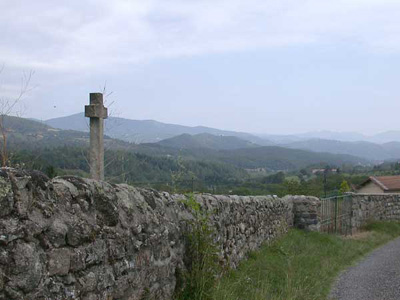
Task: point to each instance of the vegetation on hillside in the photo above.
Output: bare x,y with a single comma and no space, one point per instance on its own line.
208,141
245,171
35,145
127,167
299,183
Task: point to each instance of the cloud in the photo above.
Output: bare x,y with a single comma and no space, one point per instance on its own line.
87,34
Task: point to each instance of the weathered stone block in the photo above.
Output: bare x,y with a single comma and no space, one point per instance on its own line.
96,111
59,262
26,271
57,233
88,282
306,212
78,257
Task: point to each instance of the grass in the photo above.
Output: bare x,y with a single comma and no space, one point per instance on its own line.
301,265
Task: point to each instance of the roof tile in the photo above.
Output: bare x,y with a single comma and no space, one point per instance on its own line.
388,183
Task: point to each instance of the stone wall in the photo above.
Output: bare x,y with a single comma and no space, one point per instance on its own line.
306,212
374,207
74,238
363,208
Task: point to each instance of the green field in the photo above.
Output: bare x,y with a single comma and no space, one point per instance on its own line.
301,265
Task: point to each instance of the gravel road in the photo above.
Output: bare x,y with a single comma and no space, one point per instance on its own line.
377,277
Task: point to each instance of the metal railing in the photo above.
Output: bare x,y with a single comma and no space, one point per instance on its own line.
336,215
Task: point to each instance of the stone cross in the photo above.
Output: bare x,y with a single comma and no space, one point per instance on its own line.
97,113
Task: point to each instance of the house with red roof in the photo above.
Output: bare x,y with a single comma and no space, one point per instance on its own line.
380,185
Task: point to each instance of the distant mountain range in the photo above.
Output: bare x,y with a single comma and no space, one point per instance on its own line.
380,147
28,135
381,138
367,150
150,131
244,154
146,131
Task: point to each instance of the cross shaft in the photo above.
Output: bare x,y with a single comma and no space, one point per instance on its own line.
97,113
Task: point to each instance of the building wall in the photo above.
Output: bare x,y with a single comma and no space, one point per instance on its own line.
370,188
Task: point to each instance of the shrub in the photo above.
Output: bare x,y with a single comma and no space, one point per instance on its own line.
201,259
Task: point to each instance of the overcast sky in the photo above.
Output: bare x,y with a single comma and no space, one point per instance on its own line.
264,66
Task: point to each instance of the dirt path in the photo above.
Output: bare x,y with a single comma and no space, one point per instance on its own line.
377,277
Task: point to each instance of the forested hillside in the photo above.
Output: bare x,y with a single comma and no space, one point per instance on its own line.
208,141
179,161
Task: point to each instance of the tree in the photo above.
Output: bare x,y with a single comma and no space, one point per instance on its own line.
292,187
277,178
10,106
344,187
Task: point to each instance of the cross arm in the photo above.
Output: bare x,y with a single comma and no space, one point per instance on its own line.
96,111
